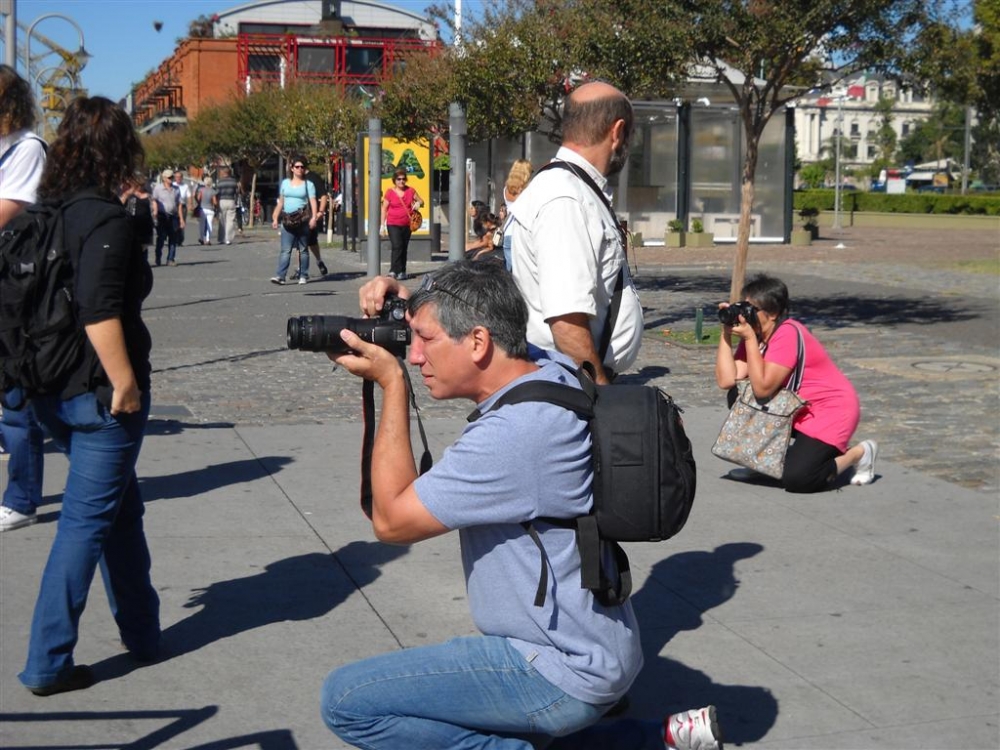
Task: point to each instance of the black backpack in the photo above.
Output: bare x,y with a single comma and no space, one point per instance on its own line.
644,475
40,338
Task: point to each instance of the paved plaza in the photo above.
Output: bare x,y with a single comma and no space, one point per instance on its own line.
864,617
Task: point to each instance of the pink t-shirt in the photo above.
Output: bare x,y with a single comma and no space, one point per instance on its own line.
399,209
834,411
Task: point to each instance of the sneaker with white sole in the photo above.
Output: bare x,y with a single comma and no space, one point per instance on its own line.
864,472
10,519
303,279
277,280
697,729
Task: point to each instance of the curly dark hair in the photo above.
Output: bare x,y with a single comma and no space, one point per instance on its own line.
17,105
96,146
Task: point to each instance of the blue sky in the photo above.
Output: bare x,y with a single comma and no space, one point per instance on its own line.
119,34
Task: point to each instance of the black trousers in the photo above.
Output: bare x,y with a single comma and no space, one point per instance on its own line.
399,240
810,464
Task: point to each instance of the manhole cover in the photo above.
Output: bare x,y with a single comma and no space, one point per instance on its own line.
954,368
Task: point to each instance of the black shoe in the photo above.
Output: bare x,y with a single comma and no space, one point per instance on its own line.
401,277
78,678
323,269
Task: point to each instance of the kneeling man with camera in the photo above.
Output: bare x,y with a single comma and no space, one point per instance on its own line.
538,676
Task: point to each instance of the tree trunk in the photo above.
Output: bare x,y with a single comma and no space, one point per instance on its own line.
253,198
743,229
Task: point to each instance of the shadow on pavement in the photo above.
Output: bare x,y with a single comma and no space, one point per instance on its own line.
831,310
704,580
208,478
297,588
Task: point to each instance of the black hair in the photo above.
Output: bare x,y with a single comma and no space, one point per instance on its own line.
768,294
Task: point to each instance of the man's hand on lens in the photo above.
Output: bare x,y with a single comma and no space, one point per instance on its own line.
371,296
368,361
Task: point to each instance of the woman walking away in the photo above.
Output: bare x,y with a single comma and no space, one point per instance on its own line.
398,203
208,201
296,214
767,355
98,413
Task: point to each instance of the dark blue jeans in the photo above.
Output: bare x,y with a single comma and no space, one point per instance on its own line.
23,440
100,523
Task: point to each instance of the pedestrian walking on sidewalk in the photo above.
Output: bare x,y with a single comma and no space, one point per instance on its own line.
99,416
22,158
398,203
294,216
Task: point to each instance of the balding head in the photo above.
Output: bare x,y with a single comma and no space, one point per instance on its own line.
597,124
591,111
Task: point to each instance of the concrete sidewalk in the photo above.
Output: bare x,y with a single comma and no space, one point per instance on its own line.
860,618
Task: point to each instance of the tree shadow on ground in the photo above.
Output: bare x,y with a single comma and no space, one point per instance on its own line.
832,310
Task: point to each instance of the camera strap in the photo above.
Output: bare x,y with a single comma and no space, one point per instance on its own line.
368,438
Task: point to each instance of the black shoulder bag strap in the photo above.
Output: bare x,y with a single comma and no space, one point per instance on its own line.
616,298
368,438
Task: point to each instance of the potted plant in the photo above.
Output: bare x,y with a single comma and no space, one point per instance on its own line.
675,235
699,237
808,227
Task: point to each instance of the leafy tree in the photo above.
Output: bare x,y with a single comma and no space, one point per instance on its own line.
767,52
164,149
813,175
885,135
940,136
518,60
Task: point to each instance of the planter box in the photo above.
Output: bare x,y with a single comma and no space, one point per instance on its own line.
801,237
701,239
675,239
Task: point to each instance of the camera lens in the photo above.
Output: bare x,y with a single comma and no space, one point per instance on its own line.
317,333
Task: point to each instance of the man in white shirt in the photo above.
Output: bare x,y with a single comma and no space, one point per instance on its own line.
568,247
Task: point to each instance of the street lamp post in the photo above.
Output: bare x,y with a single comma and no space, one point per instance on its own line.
840,138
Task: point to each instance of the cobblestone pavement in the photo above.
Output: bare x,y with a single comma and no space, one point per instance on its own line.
911,317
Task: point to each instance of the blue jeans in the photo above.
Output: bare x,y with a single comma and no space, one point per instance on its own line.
289,240
23,440
100,523
168,227
475,692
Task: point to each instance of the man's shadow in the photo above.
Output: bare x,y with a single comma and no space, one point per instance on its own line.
702,580
297,588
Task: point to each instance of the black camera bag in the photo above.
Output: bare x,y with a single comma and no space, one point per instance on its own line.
644,474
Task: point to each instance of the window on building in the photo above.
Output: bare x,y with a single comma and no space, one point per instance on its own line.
872,152
362,61
906,129
855,129
317,60
264,64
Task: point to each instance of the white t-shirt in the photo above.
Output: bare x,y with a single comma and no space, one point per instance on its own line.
565,256
21,171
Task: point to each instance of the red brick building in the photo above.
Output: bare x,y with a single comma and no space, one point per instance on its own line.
271,42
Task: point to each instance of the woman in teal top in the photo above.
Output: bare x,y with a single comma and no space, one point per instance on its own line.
296,193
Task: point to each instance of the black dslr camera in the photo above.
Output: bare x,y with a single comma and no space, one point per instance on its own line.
729,316
321,333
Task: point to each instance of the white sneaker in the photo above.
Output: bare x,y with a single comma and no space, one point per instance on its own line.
697,729
864,472
303,280
10,519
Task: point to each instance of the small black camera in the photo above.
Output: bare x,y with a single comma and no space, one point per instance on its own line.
729,316
321,333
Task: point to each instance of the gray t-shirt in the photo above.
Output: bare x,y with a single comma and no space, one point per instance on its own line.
514,464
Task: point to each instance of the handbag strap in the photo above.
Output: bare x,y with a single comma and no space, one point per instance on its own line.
800,362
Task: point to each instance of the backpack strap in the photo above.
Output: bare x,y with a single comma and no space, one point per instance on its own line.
616,297
588,539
